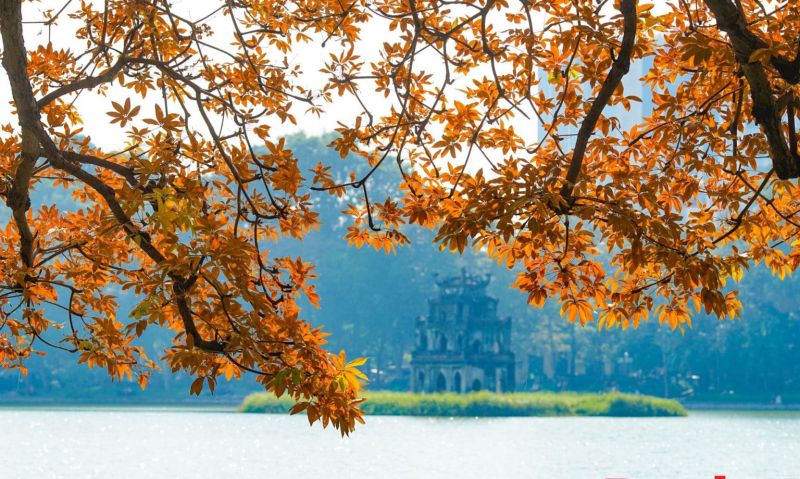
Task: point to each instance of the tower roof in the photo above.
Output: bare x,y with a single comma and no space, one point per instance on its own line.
463,285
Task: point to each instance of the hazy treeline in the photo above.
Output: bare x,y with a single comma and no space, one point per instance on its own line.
369,301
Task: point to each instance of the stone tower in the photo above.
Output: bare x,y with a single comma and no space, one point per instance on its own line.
462,345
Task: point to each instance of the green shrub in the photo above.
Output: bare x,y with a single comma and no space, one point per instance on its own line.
492,405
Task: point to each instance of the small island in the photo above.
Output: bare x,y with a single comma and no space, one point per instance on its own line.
488,404
462,366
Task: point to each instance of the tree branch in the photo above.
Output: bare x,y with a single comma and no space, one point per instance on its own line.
731,21
84,83
619,68
35,136
15,64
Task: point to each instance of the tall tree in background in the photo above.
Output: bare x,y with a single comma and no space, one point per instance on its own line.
614,222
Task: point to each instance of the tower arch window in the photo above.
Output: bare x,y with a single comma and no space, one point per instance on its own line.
441,383
475,347
442,343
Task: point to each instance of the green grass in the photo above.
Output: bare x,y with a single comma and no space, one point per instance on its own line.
491,404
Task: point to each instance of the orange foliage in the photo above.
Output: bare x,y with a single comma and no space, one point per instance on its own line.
614,220
179,216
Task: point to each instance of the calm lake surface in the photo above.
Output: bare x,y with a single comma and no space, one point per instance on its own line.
140,443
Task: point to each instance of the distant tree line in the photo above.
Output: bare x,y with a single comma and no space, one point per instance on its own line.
370,300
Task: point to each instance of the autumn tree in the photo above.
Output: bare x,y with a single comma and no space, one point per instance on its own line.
182,213
614,220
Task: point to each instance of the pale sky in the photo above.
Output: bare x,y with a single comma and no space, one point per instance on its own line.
309,56
93,105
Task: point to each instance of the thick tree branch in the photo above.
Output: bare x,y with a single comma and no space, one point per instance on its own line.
619,68
15,63
36,140
731,21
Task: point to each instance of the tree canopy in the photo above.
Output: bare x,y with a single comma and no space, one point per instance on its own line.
612,218
615,220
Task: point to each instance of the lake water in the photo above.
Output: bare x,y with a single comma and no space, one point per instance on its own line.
169,443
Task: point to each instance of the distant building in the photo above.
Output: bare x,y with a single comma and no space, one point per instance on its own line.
462,345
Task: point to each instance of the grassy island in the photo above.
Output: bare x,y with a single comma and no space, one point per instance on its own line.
492,405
